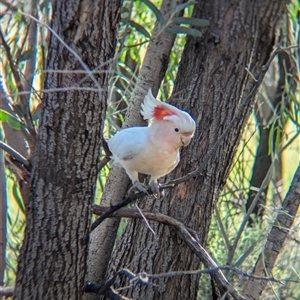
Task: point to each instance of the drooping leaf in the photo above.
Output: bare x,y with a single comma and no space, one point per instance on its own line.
191,21
156,11
140,28
27,54
184,30
36,113
18,198
11,120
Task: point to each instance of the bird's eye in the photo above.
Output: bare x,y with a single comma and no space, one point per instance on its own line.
176,129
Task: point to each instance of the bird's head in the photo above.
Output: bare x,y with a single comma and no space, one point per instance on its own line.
175,123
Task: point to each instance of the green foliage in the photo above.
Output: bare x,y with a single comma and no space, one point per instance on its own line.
12,121
14,28
15,226
156,11
184,30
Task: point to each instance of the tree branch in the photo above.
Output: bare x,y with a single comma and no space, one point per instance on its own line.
16,155
77,56
191,239
6,291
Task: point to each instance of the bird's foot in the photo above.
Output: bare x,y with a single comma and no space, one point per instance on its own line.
138,186
155,188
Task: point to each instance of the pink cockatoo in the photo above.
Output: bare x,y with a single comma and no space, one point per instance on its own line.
152,150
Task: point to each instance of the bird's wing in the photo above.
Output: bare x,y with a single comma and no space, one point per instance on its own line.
128,142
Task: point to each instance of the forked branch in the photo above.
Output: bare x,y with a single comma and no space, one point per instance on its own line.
191,239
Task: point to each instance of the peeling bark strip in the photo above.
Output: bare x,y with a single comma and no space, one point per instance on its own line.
213,81
276,239
52,261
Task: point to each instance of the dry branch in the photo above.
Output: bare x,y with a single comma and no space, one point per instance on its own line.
189,236
16,155
6,291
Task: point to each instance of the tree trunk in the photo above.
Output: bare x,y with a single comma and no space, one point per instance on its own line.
52,261
152,72
276,239
213,81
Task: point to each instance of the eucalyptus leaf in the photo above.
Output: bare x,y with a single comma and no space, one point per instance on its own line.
27,54
191,21
18,198
184,30
156,11
140,28
11,120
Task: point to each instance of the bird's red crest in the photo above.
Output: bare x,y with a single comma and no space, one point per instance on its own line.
160,111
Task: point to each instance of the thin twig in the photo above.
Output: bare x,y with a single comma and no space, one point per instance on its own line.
211,266
77,56
9,5
16,155
189,237
103,162
146,277
55,90
145,219
255,201
114,208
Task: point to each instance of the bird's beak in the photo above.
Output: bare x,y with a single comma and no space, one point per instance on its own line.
186,138
185,141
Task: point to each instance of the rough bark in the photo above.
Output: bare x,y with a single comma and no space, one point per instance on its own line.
52,261
151,74
213,81
276,239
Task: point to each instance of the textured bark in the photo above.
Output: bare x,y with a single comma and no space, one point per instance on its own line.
214,83
52,261
150,76
276,239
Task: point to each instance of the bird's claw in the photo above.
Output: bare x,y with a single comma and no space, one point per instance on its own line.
138,186
155,188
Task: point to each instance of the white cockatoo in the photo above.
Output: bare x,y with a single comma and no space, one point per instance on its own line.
152,150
